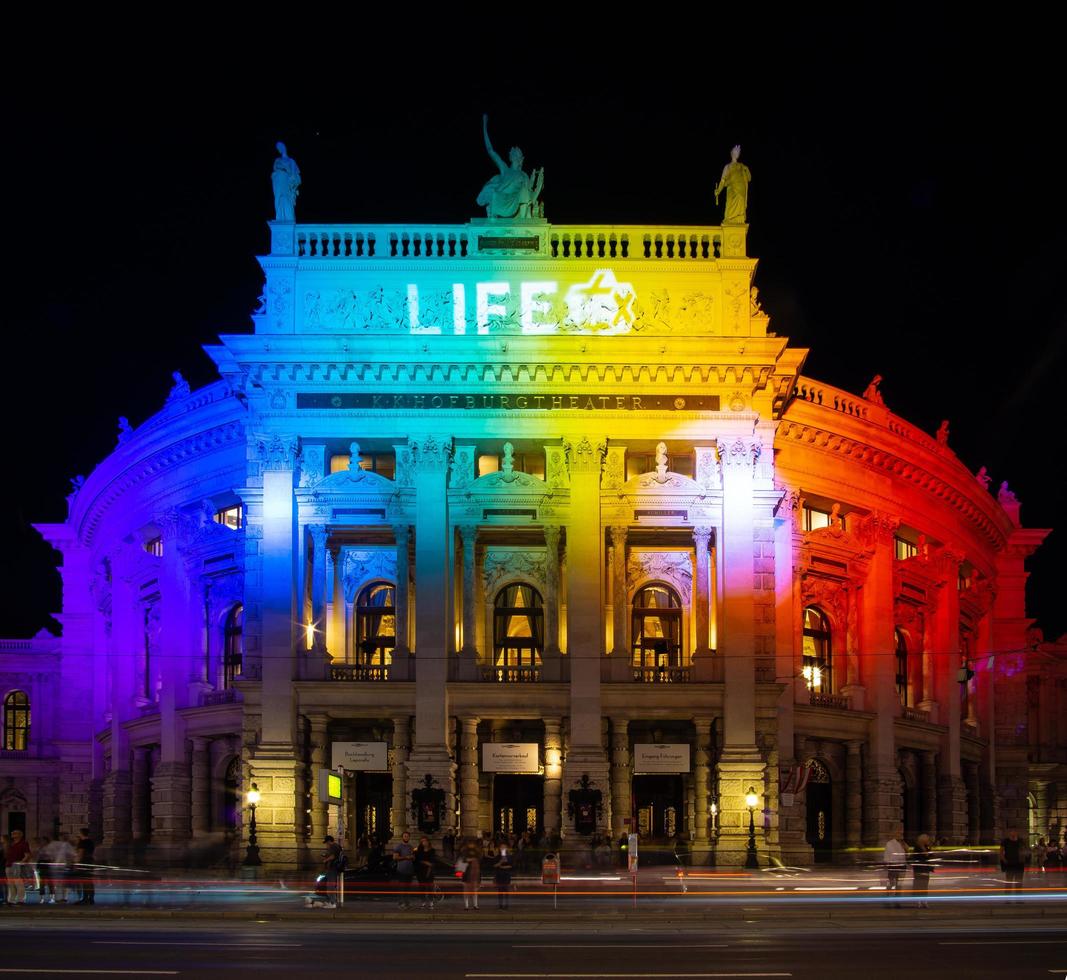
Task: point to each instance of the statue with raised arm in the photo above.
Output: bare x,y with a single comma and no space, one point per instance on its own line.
286,182
734,180
511,193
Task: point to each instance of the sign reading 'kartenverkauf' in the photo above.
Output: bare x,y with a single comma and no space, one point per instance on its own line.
361,756
510,757
661,758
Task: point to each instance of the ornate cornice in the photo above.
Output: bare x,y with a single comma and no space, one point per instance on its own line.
431,455
739,453
585,456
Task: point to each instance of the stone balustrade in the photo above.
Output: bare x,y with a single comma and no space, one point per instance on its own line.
563,242
916,714
661,675
511,675
828,700
358,672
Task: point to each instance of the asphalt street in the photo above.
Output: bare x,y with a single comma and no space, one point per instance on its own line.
510,951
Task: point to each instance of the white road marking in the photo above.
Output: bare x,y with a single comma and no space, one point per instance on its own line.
1009,942
619,946
510,976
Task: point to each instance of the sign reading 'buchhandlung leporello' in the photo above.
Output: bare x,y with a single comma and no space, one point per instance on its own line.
510,757
361,756
661,758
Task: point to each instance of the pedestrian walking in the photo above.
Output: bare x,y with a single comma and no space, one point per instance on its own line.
15,854
895,859
404,855
425,858
502,875
470,868
921,868
1040,854
86,848
331,865
1014,857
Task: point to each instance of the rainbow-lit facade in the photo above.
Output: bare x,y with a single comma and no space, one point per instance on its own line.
510,505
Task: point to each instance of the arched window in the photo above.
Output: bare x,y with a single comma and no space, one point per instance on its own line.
375,625
817,660
656,627
901,643
233,646
518,627
17,721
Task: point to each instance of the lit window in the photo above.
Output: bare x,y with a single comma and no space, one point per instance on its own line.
816,661
17,721
905,549
233,646
656,627
518,627
376,624
814,518
339,462
232,517
963,580
531,463
155,547
384,464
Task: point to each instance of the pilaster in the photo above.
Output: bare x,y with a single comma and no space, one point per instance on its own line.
553,776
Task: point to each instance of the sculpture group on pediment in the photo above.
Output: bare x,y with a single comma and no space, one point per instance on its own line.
871,392
125,429
379,310
982,476
180,387
512,193
942,432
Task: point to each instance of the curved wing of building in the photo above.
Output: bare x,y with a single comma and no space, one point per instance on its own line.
529,529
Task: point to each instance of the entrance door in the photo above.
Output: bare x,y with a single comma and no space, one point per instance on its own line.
658,806
518,804
16,820
374,797
819,794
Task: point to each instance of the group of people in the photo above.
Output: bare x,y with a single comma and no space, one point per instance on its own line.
53,868
1015,857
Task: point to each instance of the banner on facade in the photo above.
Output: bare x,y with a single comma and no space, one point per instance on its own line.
661,758
361,756
521,757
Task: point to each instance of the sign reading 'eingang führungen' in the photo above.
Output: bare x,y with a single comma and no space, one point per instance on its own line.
510,403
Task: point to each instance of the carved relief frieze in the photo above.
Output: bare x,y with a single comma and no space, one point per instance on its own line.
359,566
739,453
709,476
312,465
614,468
828,594
502,564
405,466
277,452
279,299
557,475
431,454
461,474
673,567
376,310
585,456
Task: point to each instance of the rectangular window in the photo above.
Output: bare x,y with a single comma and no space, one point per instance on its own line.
384,464
531,463
339,461
232,517
905,549
814,519
155,547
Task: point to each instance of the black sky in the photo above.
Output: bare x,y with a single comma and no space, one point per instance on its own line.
907,208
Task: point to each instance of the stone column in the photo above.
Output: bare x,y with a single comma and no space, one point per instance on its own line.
201,790
434,634
318,587
882,790
619,599
469,534
929,794
702,590
951,790
552,593
320,814
401,749
403,601
468,776
853,796
585,755
141,830
553,775
335,637
740,765
701,777
621,806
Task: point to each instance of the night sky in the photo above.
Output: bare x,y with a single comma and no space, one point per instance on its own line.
907,208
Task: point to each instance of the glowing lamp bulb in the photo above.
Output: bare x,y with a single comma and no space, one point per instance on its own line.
253,796
751,799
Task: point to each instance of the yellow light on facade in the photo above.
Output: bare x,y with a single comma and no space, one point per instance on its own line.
751,799
253,796
309,632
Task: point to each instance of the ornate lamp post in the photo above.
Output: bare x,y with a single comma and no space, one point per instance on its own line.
751,799
252,853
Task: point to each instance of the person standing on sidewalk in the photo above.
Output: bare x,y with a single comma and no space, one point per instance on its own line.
921,868
425,858
502,875
85,847
895,859
1040,854
331,862
1014,857
404,855
472,874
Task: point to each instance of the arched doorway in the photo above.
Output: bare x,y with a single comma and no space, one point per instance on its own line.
656,630
910,803
518,633
819,794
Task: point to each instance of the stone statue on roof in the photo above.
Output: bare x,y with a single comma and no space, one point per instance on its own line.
942,432
285,180
871,392
734,180
512,193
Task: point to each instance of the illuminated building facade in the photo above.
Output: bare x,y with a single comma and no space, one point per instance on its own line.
516,506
